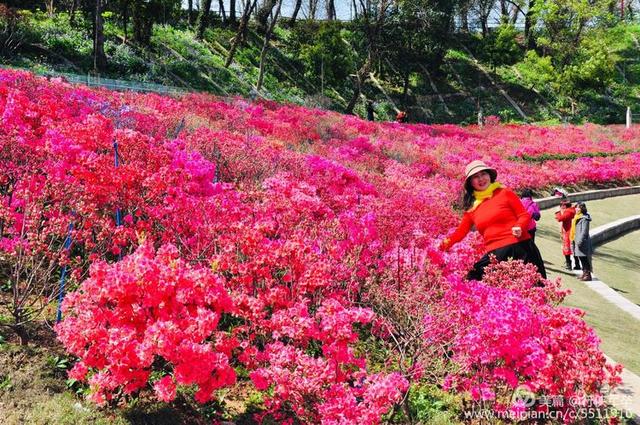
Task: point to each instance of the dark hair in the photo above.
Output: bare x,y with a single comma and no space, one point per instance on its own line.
467,193
526,193
565,202
583,207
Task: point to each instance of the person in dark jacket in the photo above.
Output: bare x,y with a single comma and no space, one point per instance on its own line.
582,247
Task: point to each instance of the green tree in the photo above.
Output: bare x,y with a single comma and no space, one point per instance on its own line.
325,52
371,19
593,67
203,18
146,13
417,37
565,22
501,47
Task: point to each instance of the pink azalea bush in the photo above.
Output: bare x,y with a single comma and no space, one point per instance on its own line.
149,312
281,241
507,332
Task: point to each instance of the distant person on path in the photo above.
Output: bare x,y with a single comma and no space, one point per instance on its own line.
565,215
559,192
499,216
533,209
582,248
370,110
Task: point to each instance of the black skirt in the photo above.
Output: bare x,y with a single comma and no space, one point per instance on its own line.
526,251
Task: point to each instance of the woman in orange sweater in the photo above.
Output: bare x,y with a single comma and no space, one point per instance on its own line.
497,213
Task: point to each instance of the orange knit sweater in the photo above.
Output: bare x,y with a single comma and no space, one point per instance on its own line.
494,218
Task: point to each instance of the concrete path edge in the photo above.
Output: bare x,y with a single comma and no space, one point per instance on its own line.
589,195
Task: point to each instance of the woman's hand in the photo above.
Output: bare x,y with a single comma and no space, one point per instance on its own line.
516,231
445,245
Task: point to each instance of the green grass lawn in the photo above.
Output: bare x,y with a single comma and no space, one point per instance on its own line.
619,332
619,264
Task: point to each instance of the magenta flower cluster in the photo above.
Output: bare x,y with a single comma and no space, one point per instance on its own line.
258,236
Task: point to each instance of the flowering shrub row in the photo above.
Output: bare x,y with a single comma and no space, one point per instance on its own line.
571,156
280,240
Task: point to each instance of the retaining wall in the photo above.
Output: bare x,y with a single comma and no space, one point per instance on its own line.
589,195
609,231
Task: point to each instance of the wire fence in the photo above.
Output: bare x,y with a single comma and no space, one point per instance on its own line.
108,83
113,84
121,85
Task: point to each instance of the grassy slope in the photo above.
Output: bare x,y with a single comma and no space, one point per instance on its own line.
620,333
33,390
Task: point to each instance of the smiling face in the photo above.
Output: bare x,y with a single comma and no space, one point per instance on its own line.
480,181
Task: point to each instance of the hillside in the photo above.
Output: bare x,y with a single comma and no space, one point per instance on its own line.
312,64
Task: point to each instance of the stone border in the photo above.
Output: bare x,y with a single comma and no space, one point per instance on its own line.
611,230
589,195
600,235
605,291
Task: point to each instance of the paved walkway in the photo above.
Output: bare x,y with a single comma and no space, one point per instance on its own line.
612,296
625,397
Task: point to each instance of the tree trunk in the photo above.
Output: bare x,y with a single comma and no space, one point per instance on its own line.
142,24
51,7
359,79
99,58
190,12
262,15
405,89
296,10
22,333
373,32
203,19
514,16
313,7
265,45
331,10
125,19
72,12
504,11
232,12
370,110
222,12
244,21
464,18
528,18
484,22
245,31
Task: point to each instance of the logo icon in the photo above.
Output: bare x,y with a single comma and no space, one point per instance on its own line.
523,396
